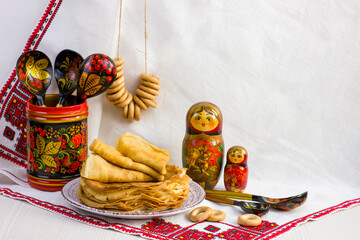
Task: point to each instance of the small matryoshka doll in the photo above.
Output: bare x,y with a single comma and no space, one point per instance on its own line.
203,145
236,170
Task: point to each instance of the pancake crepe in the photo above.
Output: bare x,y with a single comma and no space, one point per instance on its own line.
137,197
114,156
134,177
97,168
139,150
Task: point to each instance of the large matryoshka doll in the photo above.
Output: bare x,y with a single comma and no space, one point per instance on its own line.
203,145
236,170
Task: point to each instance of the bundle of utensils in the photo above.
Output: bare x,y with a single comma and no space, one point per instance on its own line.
90,77
255,204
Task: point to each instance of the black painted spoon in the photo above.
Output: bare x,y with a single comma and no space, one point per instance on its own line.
259,209
97,73
35,72
66,71
279,203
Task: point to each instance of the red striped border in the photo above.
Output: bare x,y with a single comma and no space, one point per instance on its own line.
36,36
101,223
50,10
31,44
91,220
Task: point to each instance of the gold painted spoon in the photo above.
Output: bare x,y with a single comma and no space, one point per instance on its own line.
35,72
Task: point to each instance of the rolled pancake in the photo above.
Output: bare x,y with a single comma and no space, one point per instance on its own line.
173,173
114,156
97,168
141,151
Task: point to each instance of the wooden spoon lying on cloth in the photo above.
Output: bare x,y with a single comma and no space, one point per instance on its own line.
278,203
259,209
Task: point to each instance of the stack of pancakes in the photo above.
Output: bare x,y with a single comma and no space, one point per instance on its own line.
133,177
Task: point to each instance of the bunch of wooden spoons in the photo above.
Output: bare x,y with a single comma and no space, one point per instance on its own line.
90,77
132,104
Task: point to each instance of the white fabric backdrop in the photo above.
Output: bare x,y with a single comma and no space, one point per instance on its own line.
284,74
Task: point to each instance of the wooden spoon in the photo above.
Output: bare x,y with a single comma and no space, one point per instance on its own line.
279,203
259,209
66,70
35,72
97,73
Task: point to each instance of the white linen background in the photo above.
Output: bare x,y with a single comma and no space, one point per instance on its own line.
284,74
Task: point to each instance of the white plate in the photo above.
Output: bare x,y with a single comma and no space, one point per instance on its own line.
196,196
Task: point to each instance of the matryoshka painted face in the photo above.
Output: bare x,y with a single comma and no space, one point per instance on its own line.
237,155
204,120
204,117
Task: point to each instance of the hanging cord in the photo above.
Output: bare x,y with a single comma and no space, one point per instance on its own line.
145,40
145,33
118,49
145,94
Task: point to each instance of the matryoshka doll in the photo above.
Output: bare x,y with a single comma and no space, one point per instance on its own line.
203,145
236,170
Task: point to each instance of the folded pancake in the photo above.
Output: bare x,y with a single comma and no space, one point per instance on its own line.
141,151
114,156
97,168
137,197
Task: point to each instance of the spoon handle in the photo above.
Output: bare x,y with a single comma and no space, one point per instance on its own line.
224,200
61,102
244,196
40,101
279,203
219,199
253,208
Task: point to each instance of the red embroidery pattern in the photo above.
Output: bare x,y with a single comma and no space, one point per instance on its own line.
160,226
9,133
212,228
15,112
235,234
160,229
13,97
22,144
207,231
195,235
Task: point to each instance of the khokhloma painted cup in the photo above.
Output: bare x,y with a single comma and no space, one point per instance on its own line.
56,142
